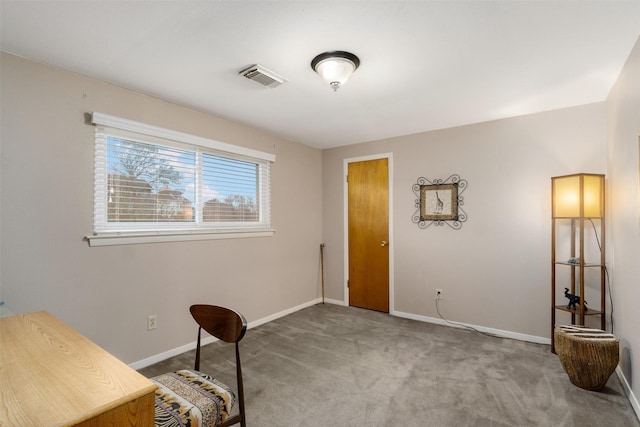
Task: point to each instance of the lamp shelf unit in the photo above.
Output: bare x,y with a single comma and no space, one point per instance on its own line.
574,311
577,206
586,265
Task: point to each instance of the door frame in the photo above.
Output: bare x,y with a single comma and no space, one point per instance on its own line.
345,203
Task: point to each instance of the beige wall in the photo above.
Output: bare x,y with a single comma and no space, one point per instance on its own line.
108,292
495,271
623,109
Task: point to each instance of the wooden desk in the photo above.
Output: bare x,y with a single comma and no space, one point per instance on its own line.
50,375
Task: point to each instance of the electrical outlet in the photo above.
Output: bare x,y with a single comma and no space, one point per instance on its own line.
439,294
151,322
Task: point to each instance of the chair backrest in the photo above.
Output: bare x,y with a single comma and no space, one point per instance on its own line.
223,323
229,326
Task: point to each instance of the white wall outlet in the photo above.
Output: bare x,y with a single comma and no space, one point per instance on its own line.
151,322
439,294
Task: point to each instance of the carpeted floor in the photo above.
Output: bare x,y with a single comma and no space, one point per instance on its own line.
330,365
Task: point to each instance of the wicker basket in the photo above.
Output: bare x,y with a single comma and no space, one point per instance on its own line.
588,356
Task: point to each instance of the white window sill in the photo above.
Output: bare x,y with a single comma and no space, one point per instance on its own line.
139,238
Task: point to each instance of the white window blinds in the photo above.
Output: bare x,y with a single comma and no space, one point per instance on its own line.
154,181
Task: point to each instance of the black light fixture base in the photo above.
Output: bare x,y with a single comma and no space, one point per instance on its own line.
336,54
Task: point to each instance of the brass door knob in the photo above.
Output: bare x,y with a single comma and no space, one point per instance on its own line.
384,243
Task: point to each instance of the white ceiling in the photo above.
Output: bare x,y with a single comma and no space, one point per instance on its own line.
424,64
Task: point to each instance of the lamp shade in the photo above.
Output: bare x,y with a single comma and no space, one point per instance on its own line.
578,196
335,67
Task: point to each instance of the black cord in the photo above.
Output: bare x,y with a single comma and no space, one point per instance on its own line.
606,270
595,232
471,328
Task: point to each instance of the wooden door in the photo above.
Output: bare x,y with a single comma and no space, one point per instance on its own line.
368,213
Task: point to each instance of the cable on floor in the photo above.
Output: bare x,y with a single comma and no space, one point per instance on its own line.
462,325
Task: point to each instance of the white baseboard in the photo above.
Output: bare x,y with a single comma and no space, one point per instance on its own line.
169,353
627,389
438,321
334,302
209,339
282,313
497,332
178,350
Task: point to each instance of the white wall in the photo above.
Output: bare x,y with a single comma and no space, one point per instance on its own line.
623,112
495,271
108,292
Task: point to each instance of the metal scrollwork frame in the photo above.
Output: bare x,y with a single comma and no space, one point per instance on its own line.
431,208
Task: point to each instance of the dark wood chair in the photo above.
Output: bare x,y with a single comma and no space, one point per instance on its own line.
186,395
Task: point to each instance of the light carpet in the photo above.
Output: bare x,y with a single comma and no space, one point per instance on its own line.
330,365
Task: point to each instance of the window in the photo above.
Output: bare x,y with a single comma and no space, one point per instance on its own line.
154,184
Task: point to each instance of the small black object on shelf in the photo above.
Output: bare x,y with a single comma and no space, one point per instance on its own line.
573,300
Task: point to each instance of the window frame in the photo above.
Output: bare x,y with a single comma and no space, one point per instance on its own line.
129,233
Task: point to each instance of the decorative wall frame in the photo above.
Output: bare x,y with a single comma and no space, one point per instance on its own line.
440,202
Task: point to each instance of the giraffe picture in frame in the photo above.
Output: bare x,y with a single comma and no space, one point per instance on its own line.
439,202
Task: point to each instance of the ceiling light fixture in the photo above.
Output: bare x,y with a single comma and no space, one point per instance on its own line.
335,67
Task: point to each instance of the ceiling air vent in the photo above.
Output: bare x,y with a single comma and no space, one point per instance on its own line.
261,75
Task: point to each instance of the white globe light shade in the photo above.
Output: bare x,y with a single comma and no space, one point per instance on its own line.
335,67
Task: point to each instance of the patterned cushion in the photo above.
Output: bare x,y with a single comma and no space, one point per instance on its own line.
191,399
